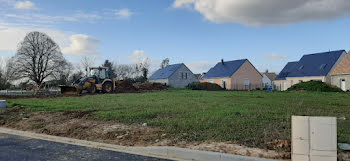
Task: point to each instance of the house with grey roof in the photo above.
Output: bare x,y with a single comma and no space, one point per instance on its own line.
234,75
311,67
176,76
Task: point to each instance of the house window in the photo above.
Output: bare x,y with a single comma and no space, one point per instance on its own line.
186,75
182,75
246,82
291,82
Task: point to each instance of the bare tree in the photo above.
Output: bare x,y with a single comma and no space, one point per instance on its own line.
124,71
62,76
38,58
4,81
87,62
164,63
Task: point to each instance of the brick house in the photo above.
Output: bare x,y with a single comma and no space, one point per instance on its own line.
234,75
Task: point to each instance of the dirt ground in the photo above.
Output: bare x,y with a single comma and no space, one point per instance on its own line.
79,125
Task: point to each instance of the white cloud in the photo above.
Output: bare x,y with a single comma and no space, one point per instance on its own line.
275,56
200,67
267,12
72,44
123,13
138,56
82,45
11,36
26,5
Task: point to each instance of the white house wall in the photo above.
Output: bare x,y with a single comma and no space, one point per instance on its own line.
177,81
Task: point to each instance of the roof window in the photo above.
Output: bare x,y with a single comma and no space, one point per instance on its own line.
301,67
323,66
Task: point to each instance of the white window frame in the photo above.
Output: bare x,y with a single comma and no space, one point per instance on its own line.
246,82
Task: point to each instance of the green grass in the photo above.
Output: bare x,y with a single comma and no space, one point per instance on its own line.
249,118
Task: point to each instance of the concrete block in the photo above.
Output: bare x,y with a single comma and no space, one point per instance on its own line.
297,157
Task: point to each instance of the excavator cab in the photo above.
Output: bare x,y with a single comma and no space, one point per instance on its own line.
101,73
98,80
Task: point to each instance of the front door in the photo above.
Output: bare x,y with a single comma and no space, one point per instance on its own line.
224,84
342,85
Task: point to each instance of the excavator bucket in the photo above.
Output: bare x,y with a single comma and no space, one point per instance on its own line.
69,90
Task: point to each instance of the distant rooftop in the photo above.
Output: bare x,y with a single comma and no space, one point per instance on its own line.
271,76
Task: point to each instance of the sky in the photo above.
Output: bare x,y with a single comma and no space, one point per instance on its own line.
199,33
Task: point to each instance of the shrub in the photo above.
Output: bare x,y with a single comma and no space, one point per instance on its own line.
314,86
204,86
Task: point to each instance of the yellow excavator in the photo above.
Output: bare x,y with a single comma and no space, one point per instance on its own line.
98,80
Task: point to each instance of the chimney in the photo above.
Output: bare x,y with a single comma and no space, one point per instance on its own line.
222,61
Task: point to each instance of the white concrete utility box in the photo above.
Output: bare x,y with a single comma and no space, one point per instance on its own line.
314,138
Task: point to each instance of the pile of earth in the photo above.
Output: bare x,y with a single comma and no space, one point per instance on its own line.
127,86
149,86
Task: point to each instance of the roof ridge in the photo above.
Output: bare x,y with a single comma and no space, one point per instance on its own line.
324,52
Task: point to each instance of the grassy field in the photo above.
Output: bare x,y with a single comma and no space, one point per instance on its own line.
249,118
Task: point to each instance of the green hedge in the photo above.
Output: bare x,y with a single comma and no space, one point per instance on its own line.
314,86
204,86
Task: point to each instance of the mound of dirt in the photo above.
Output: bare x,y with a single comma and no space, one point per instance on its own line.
125,86
149,86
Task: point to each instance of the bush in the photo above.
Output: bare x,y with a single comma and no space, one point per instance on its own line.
314,86
204,86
